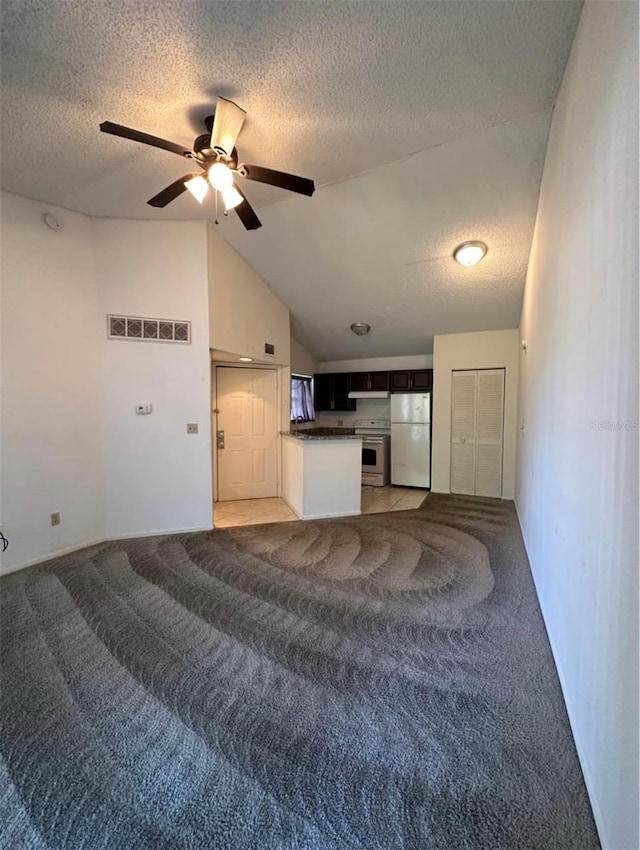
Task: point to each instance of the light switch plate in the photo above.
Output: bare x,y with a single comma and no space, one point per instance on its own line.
192,427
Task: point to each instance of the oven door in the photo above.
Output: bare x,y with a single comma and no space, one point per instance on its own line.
372,456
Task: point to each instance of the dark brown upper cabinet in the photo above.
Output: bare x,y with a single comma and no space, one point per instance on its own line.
331,391
411,380
378,380
367,381
422,379
400,381
322,392
360,381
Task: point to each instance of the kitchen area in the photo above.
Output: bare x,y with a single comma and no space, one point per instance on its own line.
344,463
368,437
363,445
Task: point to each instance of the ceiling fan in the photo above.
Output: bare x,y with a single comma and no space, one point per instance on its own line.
216,155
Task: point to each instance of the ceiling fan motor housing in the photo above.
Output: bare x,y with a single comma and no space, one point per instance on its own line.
202,146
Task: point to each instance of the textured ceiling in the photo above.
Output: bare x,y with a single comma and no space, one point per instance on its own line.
378,248
332,89
442,108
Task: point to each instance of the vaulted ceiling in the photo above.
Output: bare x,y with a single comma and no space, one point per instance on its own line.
423,124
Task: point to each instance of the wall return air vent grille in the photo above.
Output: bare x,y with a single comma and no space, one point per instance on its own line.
148,330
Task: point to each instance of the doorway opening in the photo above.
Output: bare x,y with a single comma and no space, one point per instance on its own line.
246,446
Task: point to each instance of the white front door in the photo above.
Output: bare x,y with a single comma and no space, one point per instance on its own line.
247,401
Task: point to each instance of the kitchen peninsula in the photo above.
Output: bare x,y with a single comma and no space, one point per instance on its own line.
322,472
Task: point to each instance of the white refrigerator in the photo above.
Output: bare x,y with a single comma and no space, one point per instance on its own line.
411,439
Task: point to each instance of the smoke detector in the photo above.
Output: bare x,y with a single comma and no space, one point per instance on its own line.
360,328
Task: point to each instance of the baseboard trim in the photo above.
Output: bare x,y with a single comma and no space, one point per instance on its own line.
167,531
331,516
584,764
59,553
288,504
41,559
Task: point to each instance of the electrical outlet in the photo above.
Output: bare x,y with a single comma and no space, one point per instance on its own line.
192,427
55,518
340,422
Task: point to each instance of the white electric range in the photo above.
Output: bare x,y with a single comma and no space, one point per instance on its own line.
376,453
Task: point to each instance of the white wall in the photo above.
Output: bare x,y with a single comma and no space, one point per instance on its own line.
577,494
484,350
302,361
243,312
378,364
158,477
69,439
51,434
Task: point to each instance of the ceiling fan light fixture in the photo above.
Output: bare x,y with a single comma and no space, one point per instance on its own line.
360,328
220,176
198,187
215,152
231,197
470,253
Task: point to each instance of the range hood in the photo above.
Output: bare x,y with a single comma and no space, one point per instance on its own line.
369,394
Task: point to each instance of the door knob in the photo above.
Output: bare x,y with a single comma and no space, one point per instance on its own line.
220,439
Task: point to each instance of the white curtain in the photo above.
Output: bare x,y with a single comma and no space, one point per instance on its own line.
302,399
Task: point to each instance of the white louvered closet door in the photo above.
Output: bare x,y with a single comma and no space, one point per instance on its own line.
477,414
489,432
464,392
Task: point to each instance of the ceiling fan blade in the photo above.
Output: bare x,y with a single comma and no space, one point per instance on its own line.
291,182
144,138
246,213
227,123
171,192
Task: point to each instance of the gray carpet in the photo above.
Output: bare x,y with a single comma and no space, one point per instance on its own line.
371,683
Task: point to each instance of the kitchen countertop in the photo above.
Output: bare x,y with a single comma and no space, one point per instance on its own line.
323,434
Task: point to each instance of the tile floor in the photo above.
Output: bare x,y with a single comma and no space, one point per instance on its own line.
376,500
253,511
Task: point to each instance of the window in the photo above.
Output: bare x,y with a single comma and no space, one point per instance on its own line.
302,399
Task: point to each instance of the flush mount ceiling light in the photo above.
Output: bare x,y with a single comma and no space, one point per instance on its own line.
470,253
360,328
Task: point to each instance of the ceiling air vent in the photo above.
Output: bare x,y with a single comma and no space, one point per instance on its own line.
269,348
